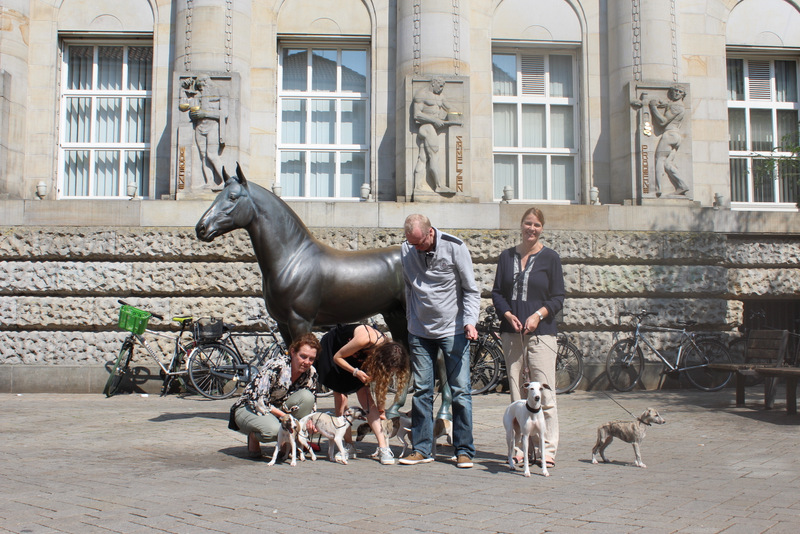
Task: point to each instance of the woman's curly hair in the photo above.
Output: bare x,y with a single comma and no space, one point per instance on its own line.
387,361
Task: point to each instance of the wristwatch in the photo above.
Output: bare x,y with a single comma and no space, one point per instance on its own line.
541,317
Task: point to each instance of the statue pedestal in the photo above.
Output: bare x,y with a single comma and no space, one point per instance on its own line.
665,200
426,195
670,200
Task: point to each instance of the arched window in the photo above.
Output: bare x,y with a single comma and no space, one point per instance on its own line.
324,88
535,101
105,101
763,104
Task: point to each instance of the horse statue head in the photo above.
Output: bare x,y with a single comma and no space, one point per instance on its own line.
233,208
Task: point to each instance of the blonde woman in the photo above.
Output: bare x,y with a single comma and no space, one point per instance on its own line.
528,292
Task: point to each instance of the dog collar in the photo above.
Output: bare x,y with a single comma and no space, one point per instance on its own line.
643,422
532,410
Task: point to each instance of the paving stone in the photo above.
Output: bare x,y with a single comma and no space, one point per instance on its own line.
84,463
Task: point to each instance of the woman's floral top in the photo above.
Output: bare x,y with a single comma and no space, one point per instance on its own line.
273,384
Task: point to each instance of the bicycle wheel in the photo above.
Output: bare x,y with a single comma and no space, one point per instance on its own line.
624,365
214,370
569,367
269,352
696,360
175,381
121,369
484,357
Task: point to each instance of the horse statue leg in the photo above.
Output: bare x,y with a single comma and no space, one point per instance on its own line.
444,388
445,411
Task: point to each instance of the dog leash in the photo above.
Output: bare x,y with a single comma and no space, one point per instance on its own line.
618,404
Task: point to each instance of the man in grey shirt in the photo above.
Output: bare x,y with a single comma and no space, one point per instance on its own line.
442,307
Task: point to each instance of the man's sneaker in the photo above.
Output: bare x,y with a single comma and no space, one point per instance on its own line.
386,456
414,458
463,461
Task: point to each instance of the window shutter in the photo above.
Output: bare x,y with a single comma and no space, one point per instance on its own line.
758,80
532,75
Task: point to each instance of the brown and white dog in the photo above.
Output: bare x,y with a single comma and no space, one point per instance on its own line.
400,427
628,431
288,435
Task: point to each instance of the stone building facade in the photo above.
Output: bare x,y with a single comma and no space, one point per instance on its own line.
645,129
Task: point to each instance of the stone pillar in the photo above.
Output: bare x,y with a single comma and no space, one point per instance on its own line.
213,44
624,45
651,132
433,99
13,93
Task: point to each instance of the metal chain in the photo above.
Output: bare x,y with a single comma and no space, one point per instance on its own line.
417,22
187,44
456,38
228,35
673,26
637,41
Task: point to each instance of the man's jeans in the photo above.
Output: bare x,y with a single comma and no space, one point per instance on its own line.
423,365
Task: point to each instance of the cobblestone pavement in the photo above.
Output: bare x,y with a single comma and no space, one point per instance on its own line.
132,463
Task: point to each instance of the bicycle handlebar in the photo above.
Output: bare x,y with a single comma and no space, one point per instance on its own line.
157,316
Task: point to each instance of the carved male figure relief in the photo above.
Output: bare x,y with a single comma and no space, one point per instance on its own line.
208,110
669,115
433,114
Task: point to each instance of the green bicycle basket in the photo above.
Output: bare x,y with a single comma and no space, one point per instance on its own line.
133,319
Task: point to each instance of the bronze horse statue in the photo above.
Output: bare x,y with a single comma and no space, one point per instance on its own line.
306,282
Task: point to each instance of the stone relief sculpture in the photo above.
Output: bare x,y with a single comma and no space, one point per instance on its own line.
433,115
208,109
665,122
669,115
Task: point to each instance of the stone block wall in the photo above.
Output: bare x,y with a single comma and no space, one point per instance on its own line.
59,286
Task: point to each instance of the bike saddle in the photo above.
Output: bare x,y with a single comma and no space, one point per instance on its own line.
182,319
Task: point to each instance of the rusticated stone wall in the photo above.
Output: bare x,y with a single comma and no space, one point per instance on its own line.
59,286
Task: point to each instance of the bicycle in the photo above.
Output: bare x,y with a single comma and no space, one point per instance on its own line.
135,321
217,374
486,361
488,367
625,360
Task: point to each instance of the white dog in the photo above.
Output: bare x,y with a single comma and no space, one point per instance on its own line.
332,427
523,420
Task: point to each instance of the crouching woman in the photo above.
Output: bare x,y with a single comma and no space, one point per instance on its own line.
285,383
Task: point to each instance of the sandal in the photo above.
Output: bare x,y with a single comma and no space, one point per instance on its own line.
549,462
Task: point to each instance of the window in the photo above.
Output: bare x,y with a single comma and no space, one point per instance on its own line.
762,121
323,128
105,120
535,125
